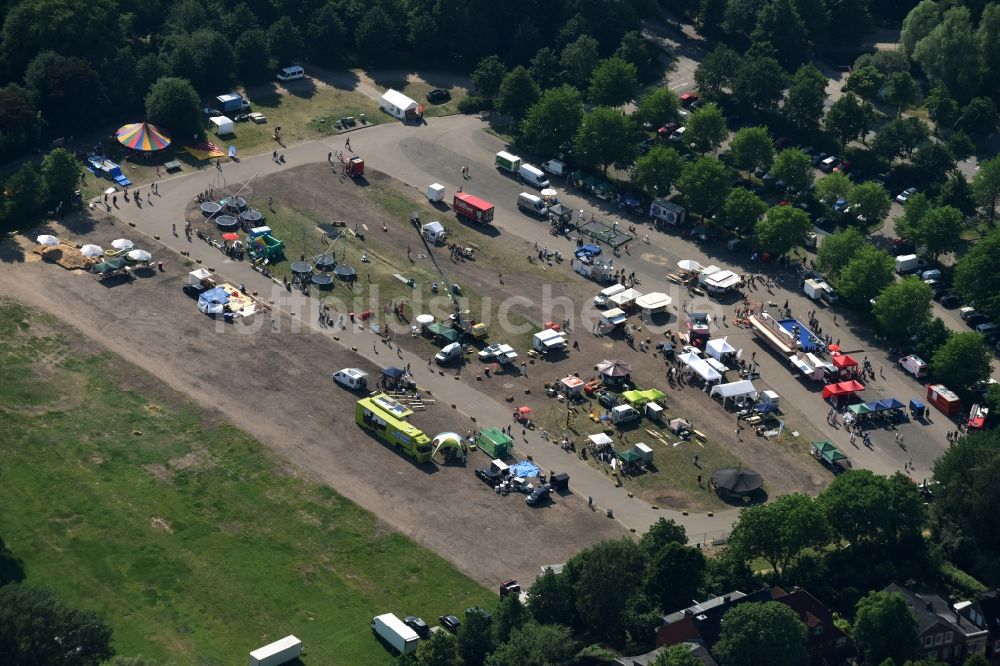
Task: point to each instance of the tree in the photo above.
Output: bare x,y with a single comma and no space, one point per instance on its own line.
870,202
551,122
579,59
899,136
780,24
550,599
475,638
662,533
715,73
676,655
635,50
979,116
837,250
794,168
704,183
781,229
761,634
36,627
932,162
18,118
657,107
58,84
287,44
957,193
962,361
908,225
11,567
930,335
900,91
658,170
606,138
545,68
604,577
986,187
759,84
706,128
253,56
940,230
871,511
903,306
173,104
61,172
741,211
968,492
884,628
325,35
806,97
849,118
674,576
24,194
835,186
779,531
741,19
614,82
866,81
976,660
918,24
960,146
865,275
510,615
488,76
536,645
752,147
941,107
977,272
517,93
945,54
441,649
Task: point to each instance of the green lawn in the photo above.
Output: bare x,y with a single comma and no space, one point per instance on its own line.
182,533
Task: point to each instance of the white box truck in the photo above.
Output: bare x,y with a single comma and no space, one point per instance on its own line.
909,263
278,652
392,630
351,378
529,173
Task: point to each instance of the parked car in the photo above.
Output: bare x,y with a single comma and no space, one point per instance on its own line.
829,164
903,246
489,477
825,223
418,625
646,145
210,112
905,195
976,319
949,301
818,158
450,622
438,96
688,98
476,610
678,134
539,495
241,118
668,129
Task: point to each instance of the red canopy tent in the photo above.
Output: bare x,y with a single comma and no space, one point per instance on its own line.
844,361
842,388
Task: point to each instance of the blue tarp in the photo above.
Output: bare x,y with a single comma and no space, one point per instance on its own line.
592,250
217,295
392,372
525,468
766,408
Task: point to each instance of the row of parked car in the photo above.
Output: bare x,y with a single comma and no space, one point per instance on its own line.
449,622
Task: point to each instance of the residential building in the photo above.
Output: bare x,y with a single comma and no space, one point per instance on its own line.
828,645
990,610
947,633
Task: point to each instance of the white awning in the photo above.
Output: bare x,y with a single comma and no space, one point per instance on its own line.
625,297
742,388
654,301
700,366
719,346
600,439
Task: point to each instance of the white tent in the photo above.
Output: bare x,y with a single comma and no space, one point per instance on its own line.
740,390
600,439
654,302
719,346
397,104
715,279
624,298
700,366
221,125
613,317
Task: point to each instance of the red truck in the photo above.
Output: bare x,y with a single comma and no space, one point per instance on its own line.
474,208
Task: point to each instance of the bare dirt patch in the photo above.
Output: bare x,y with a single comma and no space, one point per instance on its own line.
161,524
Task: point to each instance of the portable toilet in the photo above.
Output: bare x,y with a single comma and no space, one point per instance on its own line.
654,412
645,453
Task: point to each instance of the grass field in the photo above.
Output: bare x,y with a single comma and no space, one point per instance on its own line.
192,541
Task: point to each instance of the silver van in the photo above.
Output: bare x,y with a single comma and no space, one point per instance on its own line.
532,204
533,176
291,73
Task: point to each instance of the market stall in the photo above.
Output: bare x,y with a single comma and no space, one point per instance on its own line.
740,391
720,349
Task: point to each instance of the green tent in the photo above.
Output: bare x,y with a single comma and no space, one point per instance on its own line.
630,456
653,394
635,398
859,409
109,265
827,453
446,332
494,442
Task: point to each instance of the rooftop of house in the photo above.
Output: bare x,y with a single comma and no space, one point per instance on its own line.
931,610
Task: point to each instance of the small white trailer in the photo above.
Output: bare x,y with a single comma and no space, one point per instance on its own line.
278,652
392,630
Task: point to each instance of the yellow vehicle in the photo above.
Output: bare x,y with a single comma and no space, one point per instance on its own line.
386,418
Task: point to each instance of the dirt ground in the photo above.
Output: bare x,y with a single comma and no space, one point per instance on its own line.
786,468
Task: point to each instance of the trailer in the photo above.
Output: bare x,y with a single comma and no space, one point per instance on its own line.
944,399
507,162
391,629
386,419
473,208
278,652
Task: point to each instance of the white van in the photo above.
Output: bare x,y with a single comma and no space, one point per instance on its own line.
533,176
291,73
601,300
532,204
351,378
555,167
449,353
915,366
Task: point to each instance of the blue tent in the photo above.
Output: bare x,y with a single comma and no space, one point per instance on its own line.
216,295
592,250
893,403
766,408
392,372
876,406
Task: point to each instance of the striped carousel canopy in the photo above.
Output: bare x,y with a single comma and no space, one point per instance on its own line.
143,136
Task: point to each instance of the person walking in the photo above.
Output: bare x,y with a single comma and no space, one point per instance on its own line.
347,144
175,229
